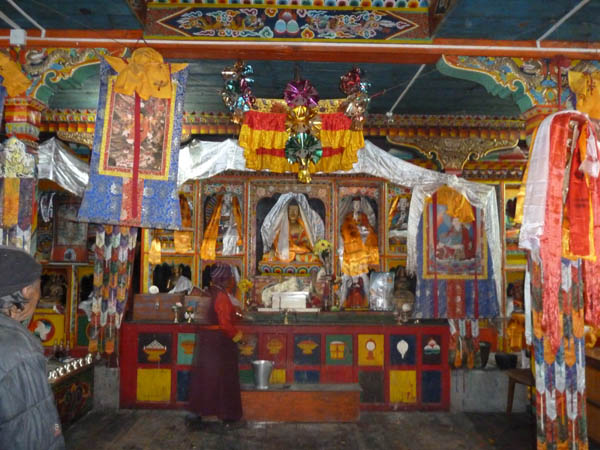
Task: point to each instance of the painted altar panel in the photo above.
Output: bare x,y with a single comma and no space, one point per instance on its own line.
300,356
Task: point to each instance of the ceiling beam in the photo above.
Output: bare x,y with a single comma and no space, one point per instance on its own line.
407,53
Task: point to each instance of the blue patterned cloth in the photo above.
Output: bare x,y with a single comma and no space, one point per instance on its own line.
109,196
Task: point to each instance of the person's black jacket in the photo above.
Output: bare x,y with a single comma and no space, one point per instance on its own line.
28,416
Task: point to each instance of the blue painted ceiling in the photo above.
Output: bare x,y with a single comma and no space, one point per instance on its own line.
433,92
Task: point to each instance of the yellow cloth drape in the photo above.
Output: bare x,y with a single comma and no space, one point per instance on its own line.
15,81
144,73
457,204
586,87
208,249
154,255
10,214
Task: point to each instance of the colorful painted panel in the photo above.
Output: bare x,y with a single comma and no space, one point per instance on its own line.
154,348
338,349
403,386
153,385
83,332
403,349
431,386
273,347
337,374
48,326
74,396
307,349
249,350
185,348
264,21
371,383
183,385
370,349
277,376
135,188
432,349
306,376
246,376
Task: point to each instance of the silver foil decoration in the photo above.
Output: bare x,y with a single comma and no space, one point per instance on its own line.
58,164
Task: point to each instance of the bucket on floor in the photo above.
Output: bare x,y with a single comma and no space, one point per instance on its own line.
262,372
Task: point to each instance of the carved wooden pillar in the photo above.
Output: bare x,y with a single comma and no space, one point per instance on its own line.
22,118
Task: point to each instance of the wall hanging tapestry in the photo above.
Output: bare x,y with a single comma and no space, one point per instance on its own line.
134,163
559,209
113,264
18,213
455,278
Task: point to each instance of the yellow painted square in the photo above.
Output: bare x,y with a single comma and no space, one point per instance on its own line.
153,385
403,386
277,376
370,349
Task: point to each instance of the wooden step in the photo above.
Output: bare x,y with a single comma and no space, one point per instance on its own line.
302,403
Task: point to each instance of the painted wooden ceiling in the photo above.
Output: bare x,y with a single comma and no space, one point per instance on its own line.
432,93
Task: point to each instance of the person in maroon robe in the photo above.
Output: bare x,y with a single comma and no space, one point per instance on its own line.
214,379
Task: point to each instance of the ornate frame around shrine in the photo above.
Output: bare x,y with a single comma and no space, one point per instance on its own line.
259,189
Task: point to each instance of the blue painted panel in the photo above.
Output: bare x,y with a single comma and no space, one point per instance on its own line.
183,385
403,348
306,376
431,386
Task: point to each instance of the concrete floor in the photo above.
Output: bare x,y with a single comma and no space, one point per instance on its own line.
153,429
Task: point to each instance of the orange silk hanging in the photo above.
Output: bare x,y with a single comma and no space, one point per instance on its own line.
208,250
10,214
577,238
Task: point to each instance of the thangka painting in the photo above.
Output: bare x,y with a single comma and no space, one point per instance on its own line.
454,275
135,185
70,237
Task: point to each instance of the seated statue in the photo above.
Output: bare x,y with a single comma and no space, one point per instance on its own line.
290,231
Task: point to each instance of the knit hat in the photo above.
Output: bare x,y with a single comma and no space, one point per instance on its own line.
17,270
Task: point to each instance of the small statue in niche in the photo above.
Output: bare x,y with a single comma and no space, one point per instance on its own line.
290,230
358,250
223,232
403,294
181,280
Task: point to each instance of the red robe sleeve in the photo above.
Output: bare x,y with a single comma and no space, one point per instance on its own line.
226,317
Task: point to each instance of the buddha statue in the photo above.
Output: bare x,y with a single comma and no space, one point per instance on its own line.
290,231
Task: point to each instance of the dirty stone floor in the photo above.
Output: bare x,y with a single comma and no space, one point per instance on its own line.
154,429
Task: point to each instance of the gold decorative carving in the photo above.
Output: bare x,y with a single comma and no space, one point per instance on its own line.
78,137
453,153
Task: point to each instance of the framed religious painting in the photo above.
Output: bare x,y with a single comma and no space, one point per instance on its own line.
222,220
288,220
70,237
397,204
515,257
